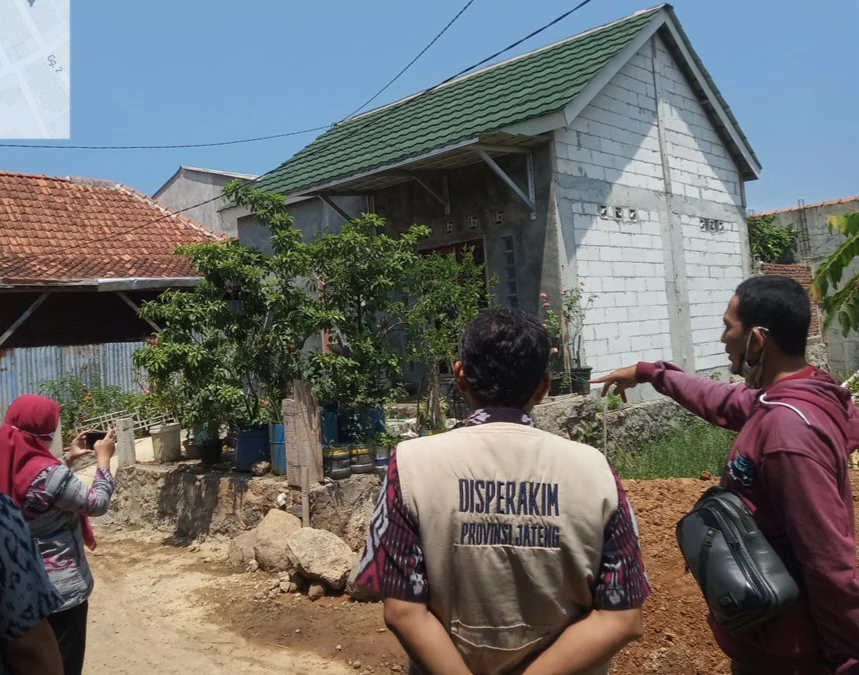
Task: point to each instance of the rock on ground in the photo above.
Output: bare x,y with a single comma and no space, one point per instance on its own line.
241,550
321,556
272,534
344,507
315,592
356,592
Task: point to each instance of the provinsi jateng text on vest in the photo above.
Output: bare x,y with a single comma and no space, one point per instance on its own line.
523,499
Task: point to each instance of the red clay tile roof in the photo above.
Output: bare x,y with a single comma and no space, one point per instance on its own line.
75,229
831,202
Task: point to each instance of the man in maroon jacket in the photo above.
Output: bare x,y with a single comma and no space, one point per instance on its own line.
797,428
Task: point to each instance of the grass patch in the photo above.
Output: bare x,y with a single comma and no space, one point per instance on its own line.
684,453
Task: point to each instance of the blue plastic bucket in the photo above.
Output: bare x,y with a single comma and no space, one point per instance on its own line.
251,447
277,446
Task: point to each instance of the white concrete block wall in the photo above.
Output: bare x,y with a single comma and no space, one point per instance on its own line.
621,263
714,268
700,165
615,139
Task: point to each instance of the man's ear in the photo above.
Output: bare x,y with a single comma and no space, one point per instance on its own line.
459,377
542,390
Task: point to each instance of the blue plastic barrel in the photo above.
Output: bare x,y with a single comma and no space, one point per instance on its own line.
277,446
330,435
251,447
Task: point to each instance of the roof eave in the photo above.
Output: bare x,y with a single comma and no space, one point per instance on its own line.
105,285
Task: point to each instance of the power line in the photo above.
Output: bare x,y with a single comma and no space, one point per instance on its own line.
414,60
47,146
256,139
515,44
358,126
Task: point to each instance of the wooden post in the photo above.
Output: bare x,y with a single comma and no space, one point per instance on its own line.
301,422
305,497
125,452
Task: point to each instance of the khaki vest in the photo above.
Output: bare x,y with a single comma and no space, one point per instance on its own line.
511,521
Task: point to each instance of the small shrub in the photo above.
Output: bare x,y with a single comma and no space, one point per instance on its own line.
771,243
612,402
684,453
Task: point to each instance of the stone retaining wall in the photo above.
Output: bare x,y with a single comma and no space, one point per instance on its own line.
194,501
580,419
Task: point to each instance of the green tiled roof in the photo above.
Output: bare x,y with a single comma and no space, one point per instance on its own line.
488,100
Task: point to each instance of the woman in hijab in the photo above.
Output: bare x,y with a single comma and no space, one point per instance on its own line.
56,506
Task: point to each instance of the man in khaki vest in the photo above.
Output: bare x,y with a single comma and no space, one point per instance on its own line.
499,548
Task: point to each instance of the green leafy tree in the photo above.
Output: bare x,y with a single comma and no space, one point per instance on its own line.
771,243
361,273
837,299
233,344
447,294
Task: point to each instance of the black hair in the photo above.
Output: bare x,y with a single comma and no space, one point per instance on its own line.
505,356
780,305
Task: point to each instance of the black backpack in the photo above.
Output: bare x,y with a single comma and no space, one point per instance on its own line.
744,581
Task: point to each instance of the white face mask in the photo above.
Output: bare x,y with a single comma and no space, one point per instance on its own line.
753,373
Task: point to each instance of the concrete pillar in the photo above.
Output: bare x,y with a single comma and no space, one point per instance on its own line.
125,455
57,445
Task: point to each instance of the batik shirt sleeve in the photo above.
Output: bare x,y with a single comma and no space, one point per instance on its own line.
622,582
393,561
26,595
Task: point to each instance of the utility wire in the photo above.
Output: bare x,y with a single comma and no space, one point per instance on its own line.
216,144
414,60
256,139
352,132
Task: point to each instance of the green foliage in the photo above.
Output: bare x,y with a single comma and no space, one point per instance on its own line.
771,243
715,375
612,402
683,453
842,302
564,329
361,272
230,348
448,293
82,399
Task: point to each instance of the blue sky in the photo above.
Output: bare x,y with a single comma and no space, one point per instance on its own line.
163,72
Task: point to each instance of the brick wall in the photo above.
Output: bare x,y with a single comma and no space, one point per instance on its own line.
803,274
621,262
700,165
714,268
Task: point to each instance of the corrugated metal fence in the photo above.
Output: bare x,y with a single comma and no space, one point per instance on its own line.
22,371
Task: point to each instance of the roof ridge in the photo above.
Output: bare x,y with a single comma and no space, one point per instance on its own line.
183,219
24,174
512,59
814,205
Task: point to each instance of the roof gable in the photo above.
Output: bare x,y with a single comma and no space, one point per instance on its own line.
63,230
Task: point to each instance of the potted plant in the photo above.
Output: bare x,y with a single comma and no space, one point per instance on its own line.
569,373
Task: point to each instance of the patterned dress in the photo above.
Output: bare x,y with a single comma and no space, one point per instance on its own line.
27,596
53,508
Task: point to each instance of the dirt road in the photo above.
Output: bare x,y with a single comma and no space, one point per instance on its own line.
167,610
152,612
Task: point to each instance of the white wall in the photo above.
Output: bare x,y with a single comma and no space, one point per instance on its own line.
662,282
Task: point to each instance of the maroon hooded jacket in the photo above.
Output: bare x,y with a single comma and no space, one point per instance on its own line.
790,465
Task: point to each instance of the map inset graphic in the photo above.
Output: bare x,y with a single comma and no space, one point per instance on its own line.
34,69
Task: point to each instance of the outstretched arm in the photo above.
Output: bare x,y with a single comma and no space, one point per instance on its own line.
719,403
